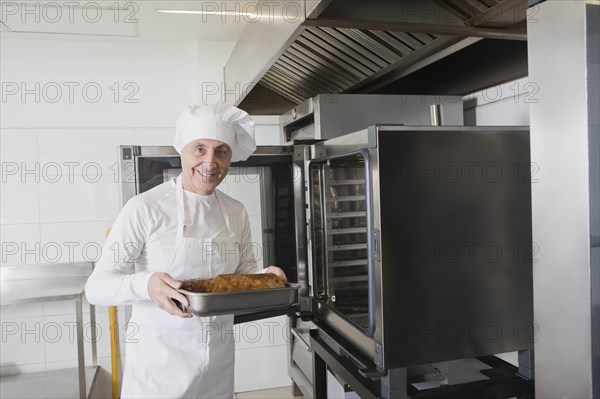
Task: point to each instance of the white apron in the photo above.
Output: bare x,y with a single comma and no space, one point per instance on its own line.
172,357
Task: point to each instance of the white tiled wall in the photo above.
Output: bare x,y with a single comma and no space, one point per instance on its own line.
20,200
262,345
137,83
59,197
55,208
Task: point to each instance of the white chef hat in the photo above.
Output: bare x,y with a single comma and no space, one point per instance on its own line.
217,121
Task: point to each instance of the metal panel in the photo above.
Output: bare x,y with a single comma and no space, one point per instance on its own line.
322,65
337,52
593,84
368,41
437,29
281,88
306,68
456,237
349,44
561,197
314,36
424,37
296,78
389,39
39,271
433,52
501,14
407,38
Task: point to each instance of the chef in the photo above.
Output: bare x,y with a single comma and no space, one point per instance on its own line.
184,228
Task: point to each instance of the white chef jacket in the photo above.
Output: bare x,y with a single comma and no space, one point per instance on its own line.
169,356
143,237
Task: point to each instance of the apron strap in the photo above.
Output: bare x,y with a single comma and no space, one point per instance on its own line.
225,216
180,211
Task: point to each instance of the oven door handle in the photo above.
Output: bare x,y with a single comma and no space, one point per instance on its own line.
301,340
372,373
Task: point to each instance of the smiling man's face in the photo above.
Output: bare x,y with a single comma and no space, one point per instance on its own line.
205,163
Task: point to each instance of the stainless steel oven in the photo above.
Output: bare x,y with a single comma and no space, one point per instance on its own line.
320,118
420,246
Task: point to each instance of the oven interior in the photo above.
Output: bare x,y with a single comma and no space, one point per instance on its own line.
276,177
340,231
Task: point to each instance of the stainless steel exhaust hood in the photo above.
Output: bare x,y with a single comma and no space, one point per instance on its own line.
357,46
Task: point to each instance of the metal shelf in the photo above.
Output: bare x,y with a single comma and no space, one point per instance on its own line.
349,263
345,215
63,384
347,247
348,230
349,279
44,283
347,198
346,182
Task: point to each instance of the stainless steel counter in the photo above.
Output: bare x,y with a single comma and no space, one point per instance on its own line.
41,290
44,283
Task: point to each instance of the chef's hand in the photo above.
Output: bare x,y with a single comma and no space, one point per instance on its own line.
276,271
162,289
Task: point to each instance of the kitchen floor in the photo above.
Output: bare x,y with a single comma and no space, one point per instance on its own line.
276,393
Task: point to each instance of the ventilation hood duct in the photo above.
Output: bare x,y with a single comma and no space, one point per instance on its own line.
352,46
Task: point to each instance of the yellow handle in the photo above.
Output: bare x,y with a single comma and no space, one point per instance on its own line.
114,355
114,349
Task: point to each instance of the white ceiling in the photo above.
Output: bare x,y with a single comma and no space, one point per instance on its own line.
93,20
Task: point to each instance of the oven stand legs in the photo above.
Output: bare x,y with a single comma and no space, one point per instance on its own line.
319,378
394,384
526,359
296,390
504,380
328,354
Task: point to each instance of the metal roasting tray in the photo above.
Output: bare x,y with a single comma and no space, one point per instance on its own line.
241,302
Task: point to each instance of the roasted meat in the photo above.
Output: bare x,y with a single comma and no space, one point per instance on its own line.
233,283
196,285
